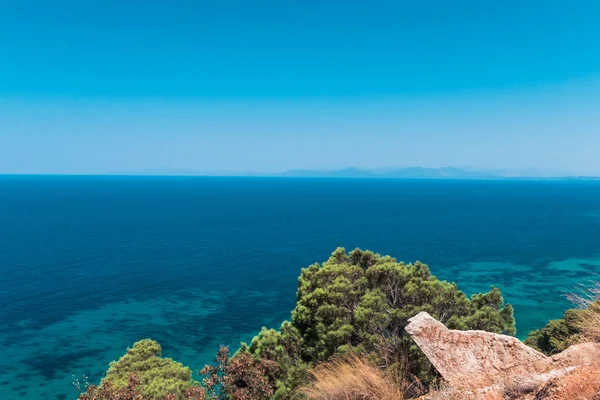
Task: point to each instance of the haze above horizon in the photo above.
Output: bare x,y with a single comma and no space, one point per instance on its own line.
270,86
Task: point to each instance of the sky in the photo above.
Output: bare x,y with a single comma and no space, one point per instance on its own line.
234,87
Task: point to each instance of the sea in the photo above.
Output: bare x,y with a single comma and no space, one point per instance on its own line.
91,264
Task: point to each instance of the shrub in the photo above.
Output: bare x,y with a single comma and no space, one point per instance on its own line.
556,336
582,323
238,378
155,378
108,391
283,348
587,319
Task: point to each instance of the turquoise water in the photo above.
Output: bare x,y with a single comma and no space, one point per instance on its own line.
88,265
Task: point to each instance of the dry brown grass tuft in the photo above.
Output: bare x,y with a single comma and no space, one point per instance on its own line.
588,320
350,378
519,387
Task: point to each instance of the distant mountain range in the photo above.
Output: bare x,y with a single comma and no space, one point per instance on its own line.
413,172
426,173
391,173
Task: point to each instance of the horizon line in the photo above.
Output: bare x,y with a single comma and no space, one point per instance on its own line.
282,176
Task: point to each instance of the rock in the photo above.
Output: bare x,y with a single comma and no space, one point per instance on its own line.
475,360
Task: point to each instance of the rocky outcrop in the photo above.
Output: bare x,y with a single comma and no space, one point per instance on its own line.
479,360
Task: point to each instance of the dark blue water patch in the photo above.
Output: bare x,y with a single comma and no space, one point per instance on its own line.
49,364
88,265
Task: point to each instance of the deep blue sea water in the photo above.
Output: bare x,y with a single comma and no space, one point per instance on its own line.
89,265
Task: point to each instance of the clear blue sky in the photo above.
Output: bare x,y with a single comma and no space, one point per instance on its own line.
234,86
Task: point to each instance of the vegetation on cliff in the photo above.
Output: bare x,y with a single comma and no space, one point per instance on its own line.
579,324
357,302
557,335
143,372
361,301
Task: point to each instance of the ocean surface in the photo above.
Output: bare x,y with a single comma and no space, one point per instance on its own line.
89,265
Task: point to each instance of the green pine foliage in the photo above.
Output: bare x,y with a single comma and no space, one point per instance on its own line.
557,335
158,376
284,347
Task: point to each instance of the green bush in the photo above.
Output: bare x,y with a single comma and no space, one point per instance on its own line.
557,335
158,376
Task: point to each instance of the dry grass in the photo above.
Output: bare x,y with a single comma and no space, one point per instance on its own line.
350,378
581,384
585,387
588,321
517,388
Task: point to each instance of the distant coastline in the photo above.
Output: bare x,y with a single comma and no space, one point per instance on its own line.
450,173
434,173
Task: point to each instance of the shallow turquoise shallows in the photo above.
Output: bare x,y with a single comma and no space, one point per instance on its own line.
89,265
